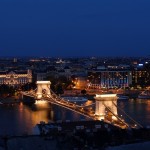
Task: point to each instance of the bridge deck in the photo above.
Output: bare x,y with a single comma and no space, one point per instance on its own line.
54,99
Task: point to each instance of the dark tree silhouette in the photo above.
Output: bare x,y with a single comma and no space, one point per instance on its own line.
83,92
60,83
6,90
28,86
59,89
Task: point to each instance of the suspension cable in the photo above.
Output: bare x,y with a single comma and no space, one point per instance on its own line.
128,116
116,115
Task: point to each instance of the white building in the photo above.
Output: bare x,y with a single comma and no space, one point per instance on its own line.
14,78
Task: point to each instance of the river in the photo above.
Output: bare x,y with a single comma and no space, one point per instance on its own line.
18,119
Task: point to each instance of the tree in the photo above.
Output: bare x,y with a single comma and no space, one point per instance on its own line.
59,83
28,86
6,90
59,89
83,92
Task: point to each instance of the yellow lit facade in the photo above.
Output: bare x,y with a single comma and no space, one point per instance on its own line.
14,78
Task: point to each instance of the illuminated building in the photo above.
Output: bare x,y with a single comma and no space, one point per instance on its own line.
109,78
14,78
140,78
141,75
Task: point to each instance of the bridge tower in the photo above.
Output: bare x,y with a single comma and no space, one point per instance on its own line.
43,87
103,102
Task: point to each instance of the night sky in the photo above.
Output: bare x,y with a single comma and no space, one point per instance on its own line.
74,28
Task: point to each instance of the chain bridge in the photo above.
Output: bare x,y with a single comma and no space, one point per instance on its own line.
105,106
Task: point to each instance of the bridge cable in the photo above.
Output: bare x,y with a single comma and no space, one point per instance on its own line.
128,115
116,115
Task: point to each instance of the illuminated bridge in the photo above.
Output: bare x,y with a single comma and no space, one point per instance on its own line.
105,105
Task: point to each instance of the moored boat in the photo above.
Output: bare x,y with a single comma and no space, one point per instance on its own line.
75,99
144,95
122,97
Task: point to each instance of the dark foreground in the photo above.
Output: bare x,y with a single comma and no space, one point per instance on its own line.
81,135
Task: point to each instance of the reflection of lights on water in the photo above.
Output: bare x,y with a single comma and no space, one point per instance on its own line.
52,115
148,105
21,106
41,102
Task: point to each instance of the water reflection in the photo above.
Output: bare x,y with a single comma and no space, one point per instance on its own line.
138,109
19,118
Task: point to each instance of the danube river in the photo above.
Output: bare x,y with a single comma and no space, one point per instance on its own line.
18,119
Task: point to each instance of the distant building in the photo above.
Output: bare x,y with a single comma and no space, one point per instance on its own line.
140,78
15,78
15,60
80,83
41,76
141,75
109,78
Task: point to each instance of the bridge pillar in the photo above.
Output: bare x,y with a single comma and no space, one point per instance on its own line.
104,101
43,87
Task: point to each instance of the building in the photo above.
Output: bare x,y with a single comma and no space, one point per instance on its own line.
109,78
80,82
15,78
140,78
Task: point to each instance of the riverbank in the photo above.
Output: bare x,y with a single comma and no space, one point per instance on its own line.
90,93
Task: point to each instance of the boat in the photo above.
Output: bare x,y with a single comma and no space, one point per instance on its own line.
75,99
144,95
122,97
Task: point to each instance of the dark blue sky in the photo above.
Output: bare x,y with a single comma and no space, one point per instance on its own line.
74,27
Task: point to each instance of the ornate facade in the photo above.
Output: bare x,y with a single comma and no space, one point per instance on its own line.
15,78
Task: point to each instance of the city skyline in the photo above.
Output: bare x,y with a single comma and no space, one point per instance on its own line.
74,28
